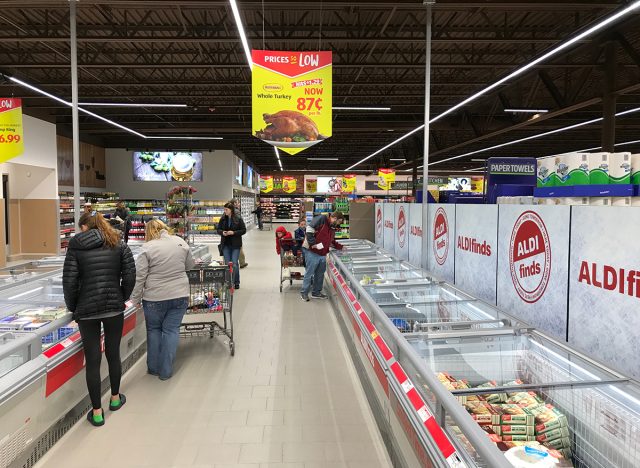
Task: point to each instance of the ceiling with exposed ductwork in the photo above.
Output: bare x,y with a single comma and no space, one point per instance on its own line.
189,52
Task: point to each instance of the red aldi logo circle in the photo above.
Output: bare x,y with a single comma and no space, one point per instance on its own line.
530,257
379,222
441,236
402,228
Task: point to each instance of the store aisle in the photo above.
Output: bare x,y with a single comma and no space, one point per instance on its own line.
289,398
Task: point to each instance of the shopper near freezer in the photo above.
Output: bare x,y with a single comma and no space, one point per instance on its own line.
231,227
283,234
320,236
258,212
98,277
163,287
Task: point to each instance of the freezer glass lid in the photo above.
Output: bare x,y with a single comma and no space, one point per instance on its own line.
506,361
28,270
391,277
41,292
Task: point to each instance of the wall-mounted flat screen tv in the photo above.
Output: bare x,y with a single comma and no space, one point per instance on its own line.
156,166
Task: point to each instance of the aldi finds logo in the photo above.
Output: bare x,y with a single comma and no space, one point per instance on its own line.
402,228
441,236
530,257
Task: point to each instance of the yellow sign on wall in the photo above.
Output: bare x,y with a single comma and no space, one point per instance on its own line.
11,131
311,186
266,184
292,98
289,184
385,178
348,183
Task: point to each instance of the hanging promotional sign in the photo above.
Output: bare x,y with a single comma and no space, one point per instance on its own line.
311,186
281,184
348,183
289,184
11,136
292,98
477,184
266,184
385,178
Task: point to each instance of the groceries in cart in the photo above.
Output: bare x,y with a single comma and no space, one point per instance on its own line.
205,299
517,420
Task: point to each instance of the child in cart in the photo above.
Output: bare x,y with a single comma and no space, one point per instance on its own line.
298,235
283,235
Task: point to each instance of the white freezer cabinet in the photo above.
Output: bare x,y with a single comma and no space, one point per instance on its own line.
456,382
21,274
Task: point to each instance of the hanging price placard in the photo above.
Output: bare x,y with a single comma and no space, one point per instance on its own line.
348,183
292,98
385,178
11,136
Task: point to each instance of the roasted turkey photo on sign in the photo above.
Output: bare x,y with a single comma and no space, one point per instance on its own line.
289,129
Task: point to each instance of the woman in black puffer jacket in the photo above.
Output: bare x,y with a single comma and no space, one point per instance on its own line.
98,278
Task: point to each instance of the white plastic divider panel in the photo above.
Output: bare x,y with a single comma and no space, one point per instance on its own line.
415,235
379,236
604,285
476,240
389,215
441,233
533,265
401,243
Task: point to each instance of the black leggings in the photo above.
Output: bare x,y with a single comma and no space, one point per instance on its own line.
90,332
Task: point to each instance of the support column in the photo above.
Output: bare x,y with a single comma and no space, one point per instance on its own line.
74,112
427,118
609,99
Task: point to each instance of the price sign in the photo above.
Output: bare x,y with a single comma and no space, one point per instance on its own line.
11,136
292,96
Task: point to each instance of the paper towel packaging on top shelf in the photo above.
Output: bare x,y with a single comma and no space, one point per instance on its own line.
546,172
635,169
599,168
600,201
572,169
620,201
620,168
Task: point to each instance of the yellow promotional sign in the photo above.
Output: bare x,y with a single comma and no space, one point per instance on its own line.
477,184
311,186
289,184
266,184
11,132
385,178
292,98
348,183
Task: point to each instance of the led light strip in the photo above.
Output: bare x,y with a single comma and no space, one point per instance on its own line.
104,119
373,109
519,71
528,111
243,37
278,157
128,104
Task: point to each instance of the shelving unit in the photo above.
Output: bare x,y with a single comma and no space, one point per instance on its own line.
147,208
203,220
342,204
282,209
66,217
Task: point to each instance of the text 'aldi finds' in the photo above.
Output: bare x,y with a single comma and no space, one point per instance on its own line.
292,98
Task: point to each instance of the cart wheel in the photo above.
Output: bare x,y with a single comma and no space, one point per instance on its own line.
280,287
232,348
290,282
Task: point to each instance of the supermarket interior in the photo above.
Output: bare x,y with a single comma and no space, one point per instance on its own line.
457,187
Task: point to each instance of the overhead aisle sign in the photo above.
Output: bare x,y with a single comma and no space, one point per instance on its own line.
292,98
11,136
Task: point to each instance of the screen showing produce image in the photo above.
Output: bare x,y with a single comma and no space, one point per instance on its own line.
462,184
150,166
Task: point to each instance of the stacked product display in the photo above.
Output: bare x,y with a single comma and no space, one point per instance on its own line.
601,179
147,208
521,399
203,219
179,206
247,205
282,209
67,223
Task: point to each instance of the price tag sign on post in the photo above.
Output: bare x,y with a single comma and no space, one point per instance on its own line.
11,137
292,98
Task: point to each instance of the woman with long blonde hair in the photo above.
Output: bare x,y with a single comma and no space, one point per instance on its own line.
98,278
163,287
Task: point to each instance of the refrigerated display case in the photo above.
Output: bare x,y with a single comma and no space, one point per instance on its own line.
454,381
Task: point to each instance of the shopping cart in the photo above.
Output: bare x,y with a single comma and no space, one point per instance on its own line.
267,222
289,260
210,296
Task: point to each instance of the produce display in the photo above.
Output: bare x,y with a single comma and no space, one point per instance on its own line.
518,420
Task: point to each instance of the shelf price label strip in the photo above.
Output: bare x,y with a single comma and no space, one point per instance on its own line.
399,375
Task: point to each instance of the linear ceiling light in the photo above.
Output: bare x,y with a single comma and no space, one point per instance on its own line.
243,37
373,109
519,71
104,119
534,137
323,159
278,157
127,104
527,111
397,159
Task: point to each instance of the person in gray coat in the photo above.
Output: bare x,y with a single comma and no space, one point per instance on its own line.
163,287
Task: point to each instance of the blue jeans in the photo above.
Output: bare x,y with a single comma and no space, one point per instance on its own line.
163,319
231,255
316,265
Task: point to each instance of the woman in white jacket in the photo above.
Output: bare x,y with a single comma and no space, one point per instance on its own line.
163,287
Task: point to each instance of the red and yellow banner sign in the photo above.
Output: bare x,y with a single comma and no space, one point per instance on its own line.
11,132
292,98
348,183
289,184
385,178
281,184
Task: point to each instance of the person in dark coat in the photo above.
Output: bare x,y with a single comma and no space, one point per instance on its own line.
98,278
258,212
231,227
123,213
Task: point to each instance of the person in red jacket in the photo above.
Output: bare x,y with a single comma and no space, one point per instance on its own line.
320,236
283,234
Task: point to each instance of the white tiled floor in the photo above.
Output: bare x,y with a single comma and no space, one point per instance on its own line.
288,399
